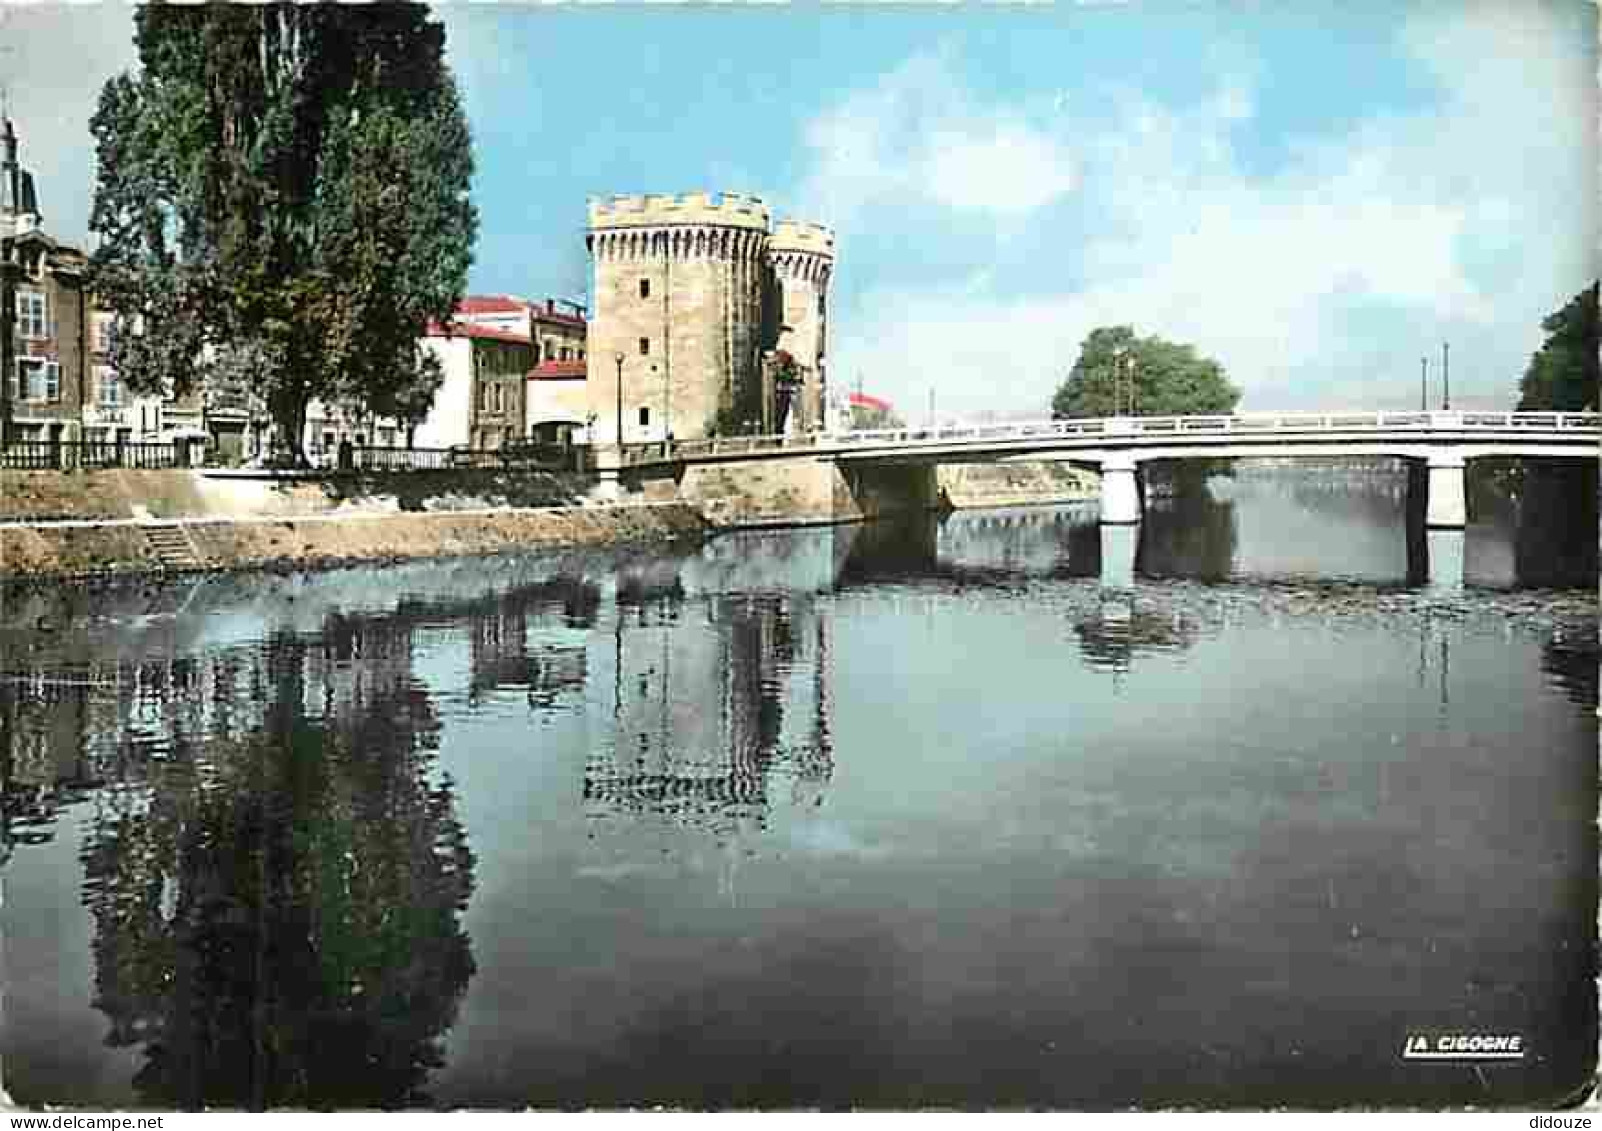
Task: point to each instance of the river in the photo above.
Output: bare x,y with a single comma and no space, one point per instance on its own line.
907,814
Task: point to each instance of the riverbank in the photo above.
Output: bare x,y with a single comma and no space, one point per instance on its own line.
121,522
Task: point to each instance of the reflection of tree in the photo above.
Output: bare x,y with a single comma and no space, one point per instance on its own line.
1556,542
1571,659
892,548
1193,537
1112,639
276,921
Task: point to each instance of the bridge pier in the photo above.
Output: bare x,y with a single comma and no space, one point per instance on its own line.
1120,494
1448,498
1446,561
1118,545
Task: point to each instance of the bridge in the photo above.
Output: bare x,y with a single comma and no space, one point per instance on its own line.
1438,444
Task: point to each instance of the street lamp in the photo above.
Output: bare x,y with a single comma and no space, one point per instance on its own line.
618,357
1446,376
664,407
1423,383
1118,370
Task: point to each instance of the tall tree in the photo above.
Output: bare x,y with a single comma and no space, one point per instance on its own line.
292,176
1118,372
1563,373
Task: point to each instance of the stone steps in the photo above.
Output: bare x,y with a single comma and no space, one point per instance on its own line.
172,547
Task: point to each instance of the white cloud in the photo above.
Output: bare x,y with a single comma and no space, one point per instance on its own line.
919,136
1325,280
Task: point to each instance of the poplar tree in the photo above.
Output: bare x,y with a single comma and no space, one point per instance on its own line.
287,180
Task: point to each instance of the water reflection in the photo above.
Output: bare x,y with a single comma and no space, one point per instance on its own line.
698,731
276,898
866,733
1119,631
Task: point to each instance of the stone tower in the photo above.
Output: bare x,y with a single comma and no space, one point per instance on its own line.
677,296
801,258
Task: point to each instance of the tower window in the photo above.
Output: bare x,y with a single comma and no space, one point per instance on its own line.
645,417
645,288
645,347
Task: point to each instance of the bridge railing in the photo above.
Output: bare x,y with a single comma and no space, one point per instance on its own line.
1121,426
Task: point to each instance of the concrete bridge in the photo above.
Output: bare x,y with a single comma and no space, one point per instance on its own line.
879,468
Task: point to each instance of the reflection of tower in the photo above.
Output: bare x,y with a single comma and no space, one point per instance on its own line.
672,757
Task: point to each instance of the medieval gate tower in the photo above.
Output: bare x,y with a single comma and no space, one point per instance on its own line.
691,297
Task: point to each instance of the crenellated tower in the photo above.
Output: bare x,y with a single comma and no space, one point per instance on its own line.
696,295
677,295
801,259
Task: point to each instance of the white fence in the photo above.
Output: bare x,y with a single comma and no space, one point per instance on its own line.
1287,424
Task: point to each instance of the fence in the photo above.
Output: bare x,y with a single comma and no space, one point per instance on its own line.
86,455
547,457
83,455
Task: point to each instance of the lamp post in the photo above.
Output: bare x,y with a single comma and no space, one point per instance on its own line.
1423,384
664,407
618,357
1118,372
1446,376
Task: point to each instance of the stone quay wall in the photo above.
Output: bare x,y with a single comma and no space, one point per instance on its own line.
99,523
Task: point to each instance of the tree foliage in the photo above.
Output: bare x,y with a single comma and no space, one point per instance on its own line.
1167,378
293,177
1563,374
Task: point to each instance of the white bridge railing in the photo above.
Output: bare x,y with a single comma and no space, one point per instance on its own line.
1122,427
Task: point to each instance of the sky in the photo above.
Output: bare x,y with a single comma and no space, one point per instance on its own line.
1318,195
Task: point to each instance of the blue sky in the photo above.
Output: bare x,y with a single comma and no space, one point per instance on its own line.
1317,194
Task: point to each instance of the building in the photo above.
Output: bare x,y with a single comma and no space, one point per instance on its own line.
556,396
556,327
705,319
482,402
558,400
44,316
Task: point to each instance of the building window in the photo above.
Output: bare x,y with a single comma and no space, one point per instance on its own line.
567,354
109,386
645,347
103,332
645,417
536,353
645,288
33,314
36,379
498,398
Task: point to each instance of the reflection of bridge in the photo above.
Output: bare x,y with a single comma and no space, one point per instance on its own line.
1441,442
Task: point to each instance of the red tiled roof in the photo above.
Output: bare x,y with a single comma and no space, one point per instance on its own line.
472,330
863,400
491,304
557,371
546,310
